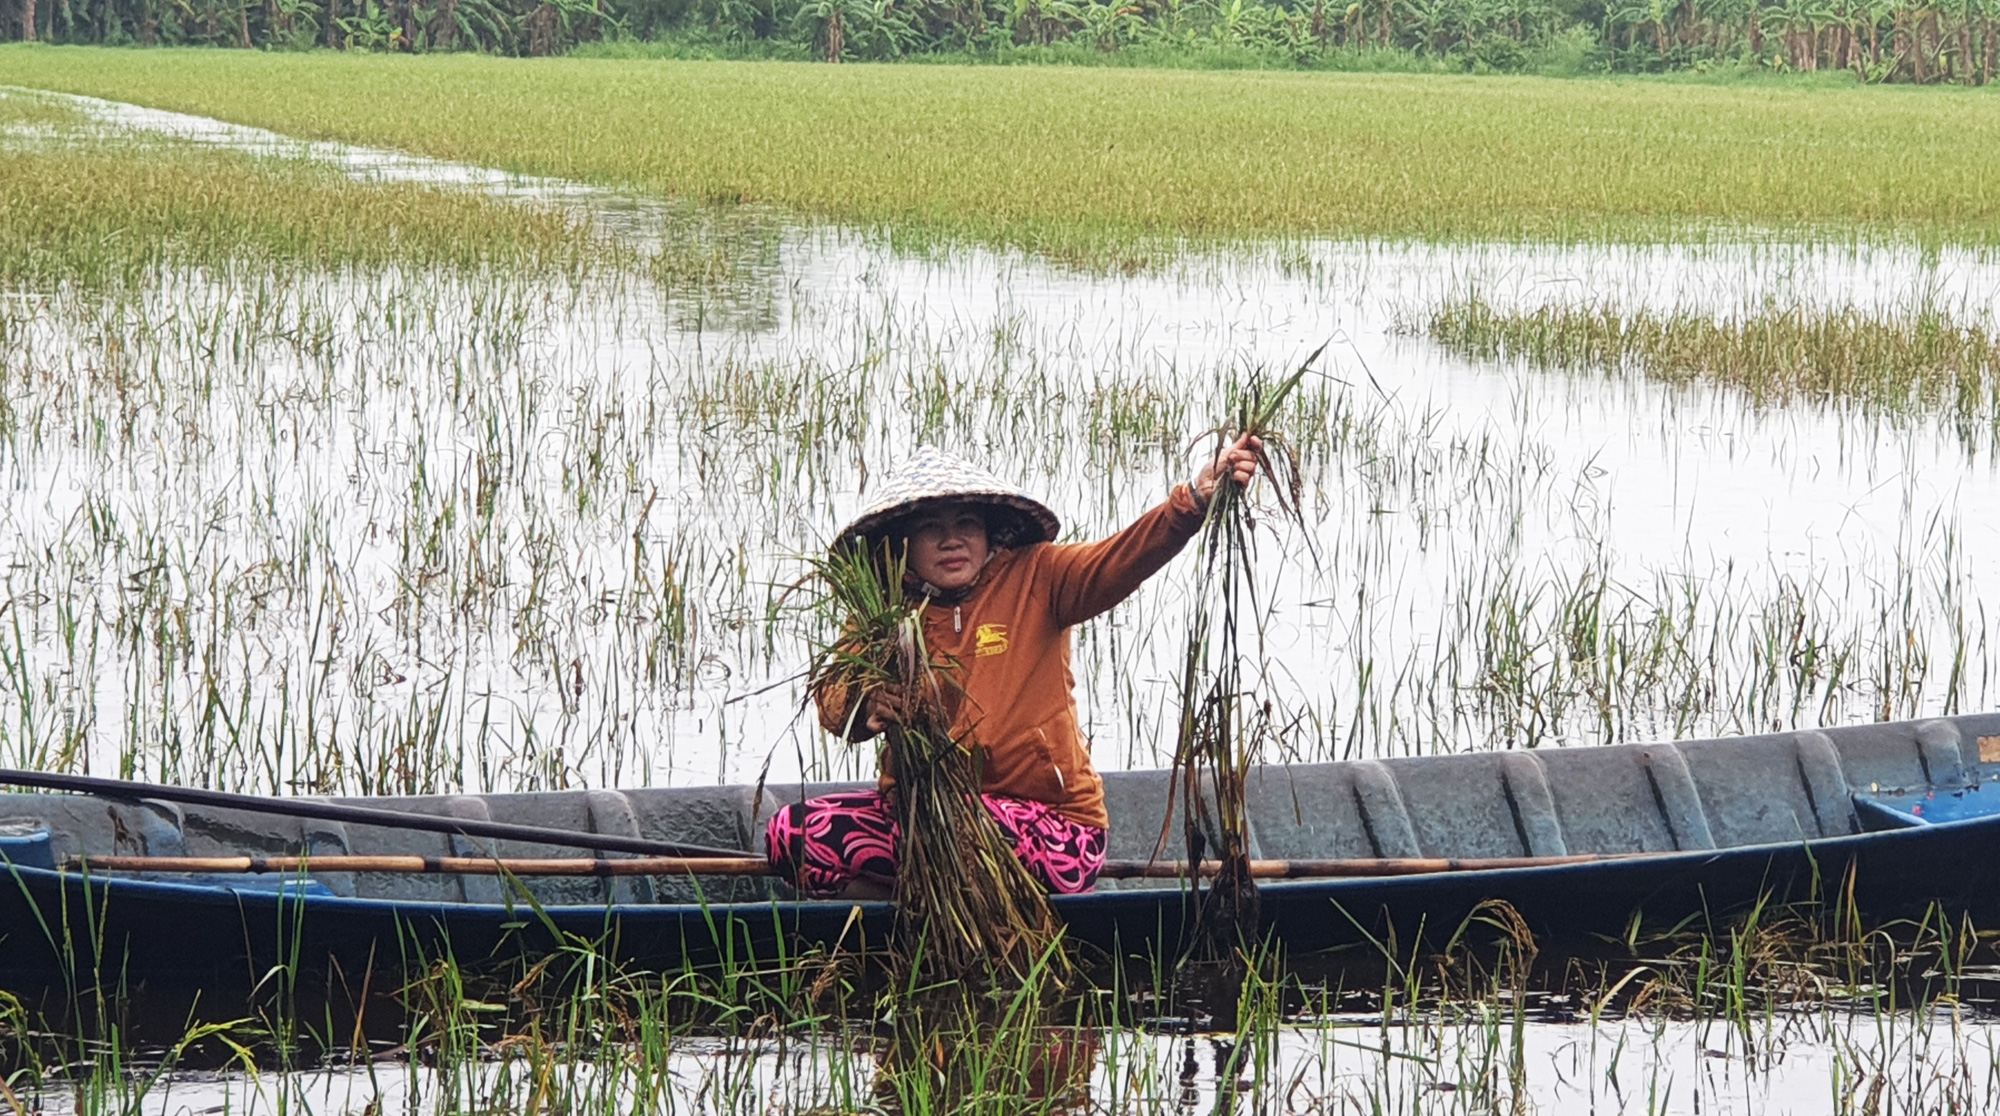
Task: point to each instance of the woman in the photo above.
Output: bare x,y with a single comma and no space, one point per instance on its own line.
1001,596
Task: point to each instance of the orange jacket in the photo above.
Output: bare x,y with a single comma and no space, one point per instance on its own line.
1009,639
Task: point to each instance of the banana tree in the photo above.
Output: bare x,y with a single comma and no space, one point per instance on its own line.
877,29
1227,25
1873,14
825,22
369,28
1801,21
1716,19
1957,61
1640,17
1042,22
741,19
297,22
478,23
1987,12
1916,40
1109,26
1429,22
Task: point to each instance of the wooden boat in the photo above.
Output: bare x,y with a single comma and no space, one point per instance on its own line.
1891,818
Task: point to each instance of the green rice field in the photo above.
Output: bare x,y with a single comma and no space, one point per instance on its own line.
80,210
1095,154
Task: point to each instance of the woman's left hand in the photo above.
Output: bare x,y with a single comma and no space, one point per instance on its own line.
1238,461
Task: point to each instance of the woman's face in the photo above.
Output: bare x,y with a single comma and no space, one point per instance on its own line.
948,545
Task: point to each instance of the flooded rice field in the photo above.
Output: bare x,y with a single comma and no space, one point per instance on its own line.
393,530
556,522
497,531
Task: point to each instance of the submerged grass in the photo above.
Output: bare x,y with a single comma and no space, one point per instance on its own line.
1914,360
1098,159
492,576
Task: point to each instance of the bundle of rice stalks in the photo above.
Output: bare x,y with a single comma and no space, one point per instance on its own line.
966,909
1221,723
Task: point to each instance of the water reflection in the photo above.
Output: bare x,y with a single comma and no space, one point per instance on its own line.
1789,1065
1006,1070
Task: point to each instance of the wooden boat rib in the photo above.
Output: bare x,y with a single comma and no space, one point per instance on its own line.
1891,817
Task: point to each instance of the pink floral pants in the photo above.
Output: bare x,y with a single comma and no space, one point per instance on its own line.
821,844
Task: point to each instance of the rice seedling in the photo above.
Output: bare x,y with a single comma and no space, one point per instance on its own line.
1151,161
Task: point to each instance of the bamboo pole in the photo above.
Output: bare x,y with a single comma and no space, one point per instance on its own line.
758,866
1361,868
349,814
431,865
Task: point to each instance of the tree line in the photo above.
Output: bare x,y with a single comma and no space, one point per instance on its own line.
1921,41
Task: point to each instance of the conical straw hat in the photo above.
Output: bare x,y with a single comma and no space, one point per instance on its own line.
931,477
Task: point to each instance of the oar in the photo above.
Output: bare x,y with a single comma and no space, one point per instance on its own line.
758,866
358,815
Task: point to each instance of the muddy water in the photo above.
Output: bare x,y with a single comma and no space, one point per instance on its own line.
1459,511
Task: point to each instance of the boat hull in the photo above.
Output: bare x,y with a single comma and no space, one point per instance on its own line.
67,932
1881,822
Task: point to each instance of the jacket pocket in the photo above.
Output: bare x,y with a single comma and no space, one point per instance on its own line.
1026,768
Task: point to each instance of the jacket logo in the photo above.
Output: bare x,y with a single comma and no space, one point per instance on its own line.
989,639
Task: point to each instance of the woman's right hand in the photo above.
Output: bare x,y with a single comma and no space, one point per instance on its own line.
1237,461
883,707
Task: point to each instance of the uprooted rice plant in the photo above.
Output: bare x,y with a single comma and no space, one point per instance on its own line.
1222,729
967,910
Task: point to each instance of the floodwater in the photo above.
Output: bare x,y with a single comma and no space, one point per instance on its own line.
1792,1067
329,582
400,531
